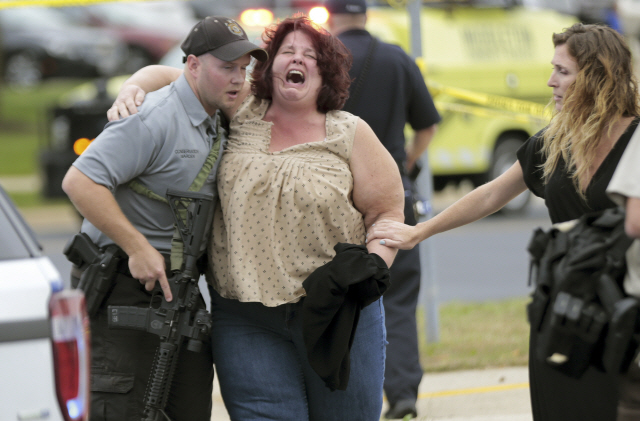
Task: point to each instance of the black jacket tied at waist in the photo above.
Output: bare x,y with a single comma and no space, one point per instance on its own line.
336,292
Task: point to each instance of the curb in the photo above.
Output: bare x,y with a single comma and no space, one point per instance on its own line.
21,183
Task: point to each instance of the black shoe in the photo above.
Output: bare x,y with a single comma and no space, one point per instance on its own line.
401,409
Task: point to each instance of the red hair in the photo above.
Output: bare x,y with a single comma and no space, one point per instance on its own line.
333,58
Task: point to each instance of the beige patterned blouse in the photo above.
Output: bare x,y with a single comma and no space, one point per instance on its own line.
281,212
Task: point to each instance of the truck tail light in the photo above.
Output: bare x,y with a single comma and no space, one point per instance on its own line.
71,353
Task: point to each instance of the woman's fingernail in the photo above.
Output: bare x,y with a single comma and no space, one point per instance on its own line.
383,242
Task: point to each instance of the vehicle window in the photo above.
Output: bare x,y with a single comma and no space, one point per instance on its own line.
33,17
173,58
17,241
11,245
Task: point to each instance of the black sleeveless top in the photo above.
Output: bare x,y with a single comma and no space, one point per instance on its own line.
561,198
554,396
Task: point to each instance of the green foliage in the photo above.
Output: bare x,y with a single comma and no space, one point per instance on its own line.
477,335
18,151
22,124
34,200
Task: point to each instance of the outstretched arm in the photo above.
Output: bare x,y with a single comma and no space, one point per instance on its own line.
96,203
477,204
131,95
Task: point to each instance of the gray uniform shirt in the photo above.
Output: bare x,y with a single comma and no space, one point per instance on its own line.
626,183
163,146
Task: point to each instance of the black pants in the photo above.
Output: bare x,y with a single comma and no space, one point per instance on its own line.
555,396
403,372
121,362
629,404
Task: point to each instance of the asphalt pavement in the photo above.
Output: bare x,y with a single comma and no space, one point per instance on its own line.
497,394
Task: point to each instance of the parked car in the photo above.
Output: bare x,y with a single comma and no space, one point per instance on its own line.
149,29
39,43
44,331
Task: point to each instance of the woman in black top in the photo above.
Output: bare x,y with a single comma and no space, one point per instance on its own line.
569,164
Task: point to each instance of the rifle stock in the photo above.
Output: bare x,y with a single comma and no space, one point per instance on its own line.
99,265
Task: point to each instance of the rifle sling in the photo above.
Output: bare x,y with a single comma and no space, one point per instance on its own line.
177,246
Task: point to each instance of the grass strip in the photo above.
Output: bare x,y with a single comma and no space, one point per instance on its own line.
477,335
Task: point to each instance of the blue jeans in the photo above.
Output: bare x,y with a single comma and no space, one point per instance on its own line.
264,374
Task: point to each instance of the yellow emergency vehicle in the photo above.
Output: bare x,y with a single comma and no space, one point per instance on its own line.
487,70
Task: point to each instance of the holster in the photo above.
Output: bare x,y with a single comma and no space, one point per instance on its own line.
620,345
571,334
98,266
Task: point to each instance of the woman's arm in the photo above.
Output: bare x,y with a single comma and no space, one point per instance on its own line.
152,78
377,186
632,218
477,204
131,95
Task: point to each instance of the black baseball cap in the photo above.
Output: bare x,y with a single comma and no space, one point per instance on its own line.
222,37
346,6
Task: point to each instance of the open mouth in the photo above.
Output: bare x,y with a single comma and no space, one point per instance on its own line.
295,76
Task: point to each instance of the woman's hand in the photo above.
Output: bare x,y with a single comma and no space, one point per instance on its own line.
127,102
393,234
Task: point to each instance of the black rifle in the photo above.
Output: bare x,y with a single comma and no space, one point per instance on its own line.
99,268
174,321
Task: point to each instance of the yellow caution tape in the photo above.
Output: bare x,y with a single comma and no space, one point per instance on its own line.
4,4
397,4
519,109
494,101
490,113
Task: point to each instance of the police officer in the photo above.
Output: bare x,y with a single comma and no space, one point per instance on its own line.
163,146
389,91
624,190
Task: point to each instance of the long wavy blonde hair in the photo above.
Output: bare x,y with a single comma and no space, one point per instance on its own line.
605,90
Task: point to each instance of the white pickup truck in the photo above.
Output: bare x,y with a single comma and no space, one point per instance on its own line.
44,333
